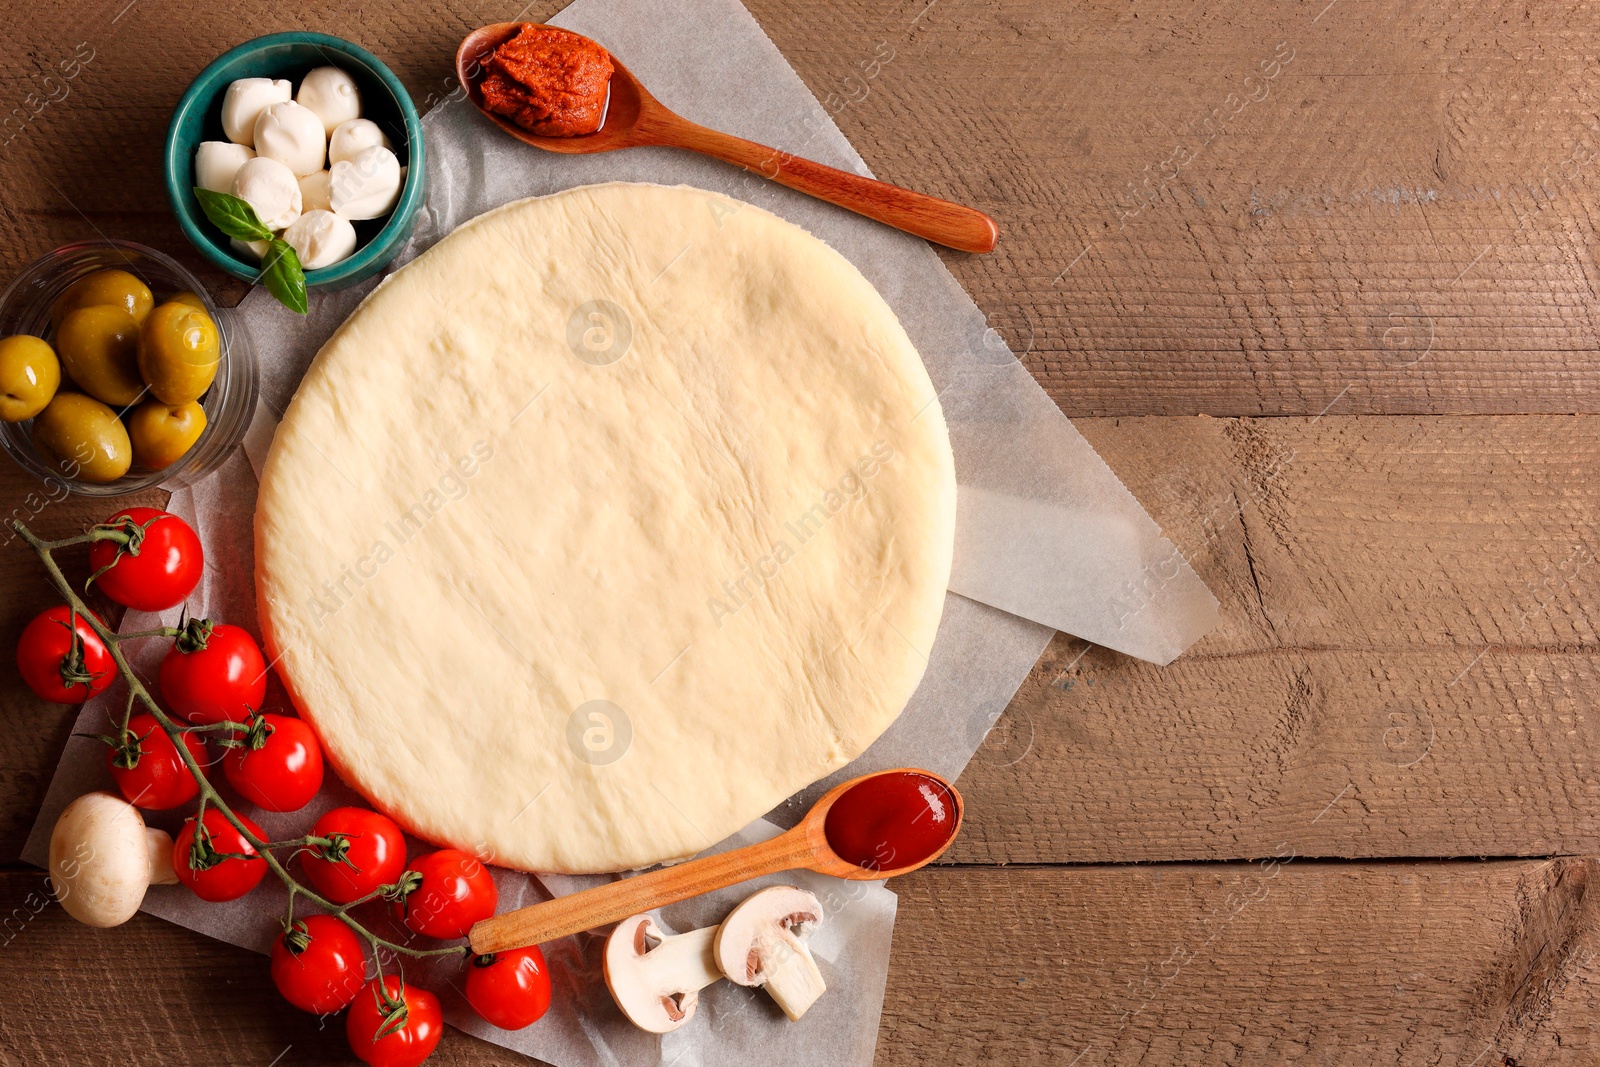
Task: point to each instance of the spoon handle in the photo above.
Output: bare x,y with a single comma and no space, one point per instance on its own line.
940,221
617,900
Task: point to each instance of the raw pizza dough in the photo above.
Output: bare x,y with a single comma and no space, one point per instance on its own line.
604,526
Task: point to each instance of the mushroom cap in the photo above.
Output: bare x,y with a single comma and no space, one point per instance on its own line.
655,978
751,936
102,858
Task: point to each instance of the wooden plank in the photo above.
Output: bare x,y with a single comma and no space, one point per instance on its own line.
1411,963
1205,209
1408,625
1405,963
1384,206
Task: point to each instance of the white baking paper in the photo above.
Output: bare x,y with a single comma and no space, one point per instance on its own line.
1047,538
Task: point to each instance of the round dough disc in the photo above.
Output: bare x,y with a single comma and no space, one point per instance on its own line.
605,525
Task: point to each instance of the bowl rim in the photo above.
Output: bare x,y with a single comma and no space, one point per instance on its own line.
243,371
383,245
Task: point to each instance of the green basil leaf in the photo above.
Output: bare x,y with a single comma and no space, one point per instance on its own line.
281,274
231,215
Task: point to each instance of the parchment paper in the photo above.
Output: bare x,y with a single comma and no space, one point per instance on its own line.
1047,538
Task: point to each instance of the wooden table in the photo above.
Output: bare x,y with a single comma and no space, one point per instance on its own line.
1319,281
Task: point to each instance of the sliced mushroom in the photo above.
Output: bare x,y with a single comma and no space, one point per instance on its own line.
103,857
762,942
656,978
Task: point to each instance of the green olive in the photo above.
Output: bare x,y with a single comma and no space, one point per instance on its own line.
179,349
99,348
82,438
29,377
115,287
162,433
190,297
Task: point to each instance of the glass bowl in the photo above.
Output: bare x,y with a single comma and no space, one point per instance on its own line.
229,404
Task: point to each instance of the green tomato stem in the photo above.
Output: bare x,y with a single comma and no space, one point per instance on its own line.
159,631
208,793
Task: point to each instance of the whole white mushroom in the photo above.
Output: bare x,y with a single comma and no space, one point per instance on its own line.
103,858
271,188
332,94
366,185
321,239
216,162
243,103
351,137
293,135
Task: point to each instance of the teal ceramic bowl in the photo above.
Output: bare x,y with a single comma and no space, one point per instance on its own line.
384,100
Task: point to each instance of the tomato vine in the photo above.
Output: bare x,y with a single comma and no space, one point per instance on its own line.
209,796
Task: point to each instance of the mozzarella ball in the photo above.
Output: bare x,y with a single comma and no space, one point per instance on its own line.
271,188
216,162
351,137
243,103
332,94
366,185
254,250
292,135
321,239
316,192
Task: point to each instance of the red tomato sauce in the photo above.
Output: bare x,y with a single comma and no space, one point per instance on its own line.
549,82
891,821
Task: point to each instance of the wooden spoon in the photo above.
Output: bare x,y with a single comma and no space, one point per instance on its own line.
634,118
803,848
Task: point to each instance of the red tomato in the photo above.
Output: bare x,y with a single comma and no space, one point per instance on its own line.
318,964
366,850
278,765
509,989
398,1026
454,891
59,666
225,866
147,768
214,673
158,567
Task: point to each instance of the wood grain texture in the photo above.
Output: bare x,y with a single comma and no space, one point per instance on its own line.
1285,962
1380,206
1326,210
1254,209
1289,961
1408,624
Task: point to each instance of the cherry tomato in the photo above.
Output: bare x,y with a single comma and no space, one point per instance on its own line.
278,765
59,666
214,673
318,964
225,866
158,567
147,768
453,891
367,850
509,989
397,1026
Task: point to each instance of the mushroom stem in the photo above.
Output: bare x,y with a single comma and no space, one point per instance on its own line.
688,955
656,978
793,979
160,844
762,942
